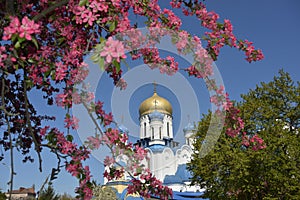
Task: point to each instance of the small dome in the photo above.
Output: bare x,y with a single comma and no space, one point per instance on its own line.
155,103
189,127
156,115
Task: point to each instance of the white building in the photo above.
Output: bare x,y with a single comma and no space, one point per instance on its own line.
167,160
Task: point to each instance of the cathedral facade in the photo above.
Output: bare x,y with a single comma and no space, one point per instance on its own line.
167,158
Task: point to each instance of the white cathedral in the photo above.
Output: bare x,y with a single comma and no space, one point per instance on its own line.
167,160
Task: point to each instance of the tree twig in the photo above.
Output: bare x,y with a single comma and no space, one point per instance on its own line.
50,9
36,144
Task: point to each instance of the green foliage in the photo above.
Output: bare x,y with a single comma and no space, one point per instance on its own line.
2,196
104,192
48,194
233,171
66,197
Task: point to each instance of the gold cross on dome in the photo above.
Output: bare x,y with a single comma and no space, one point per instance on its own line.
155,103
154,85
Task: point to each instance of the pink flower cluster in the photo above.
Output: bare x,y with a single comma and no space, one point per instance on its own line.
251,53
24,30
114,49
221,33
93,142
257,142
74,167
60,71
235,126
174,22
71,30
147,184
64,99
113,173
105,118
170,67
112,137
84,15
182,40
71,122
199,72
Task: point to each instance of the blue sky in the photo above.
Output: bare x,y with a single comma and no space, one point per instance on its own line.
273,26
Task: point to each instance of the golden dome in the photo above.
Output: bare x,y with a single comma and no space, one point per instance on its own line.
155,103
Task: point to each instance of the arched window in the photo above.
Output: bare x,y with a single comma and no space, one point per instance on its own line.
159,132
145,129
168,129
152,133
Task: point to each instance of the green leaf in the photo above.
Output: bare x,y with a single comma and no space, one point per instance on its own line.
17,45
117,65
113,26
83,2
101,63
30,60
35,42
70,138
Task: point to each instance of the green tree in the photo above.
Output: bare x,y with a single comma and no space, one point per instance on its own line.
66,196
49,194
2,195
233,170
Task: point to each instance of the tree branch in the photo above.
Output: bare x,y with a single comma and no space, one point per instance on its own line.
36,144
9,7
50,9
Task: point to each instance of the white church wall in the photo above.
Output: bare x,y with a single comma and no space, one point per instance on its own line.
183,155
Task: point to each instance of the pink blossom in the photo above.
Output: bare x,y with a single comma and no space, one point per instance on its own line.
108,161
64,99
174,22
67,147
28,28
73,169
170,67
13,28
76,98
257,142
98,108
182,40
121,84
44,130
88,193
175,4
100,5
89,17
71,122
108,118
123,24
60,71
94,142
80,73
113,49
140,153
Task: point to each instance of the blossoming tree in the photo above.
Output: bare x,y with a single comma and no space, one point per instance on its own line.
43,45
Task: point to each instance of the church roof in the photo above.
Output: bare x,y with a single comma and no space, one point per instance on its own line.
157,148
187,195
23,190
181,175
153,103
